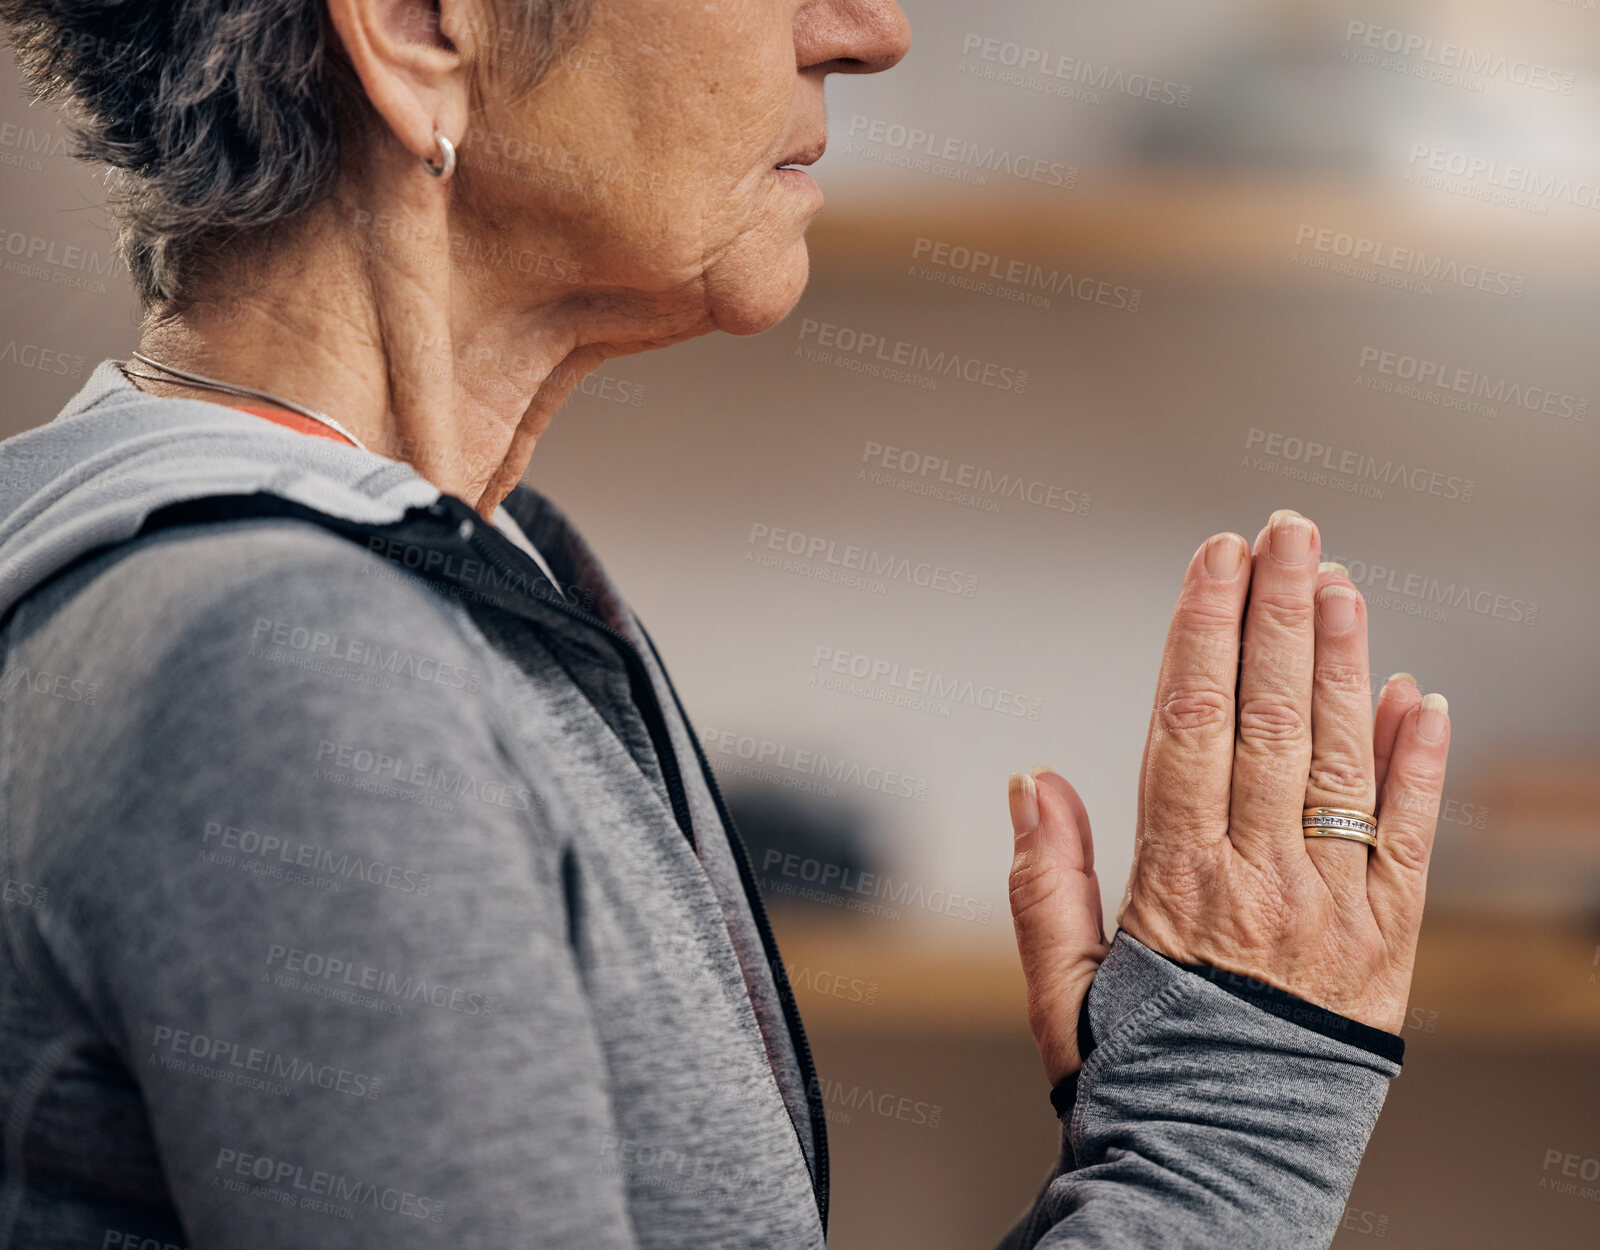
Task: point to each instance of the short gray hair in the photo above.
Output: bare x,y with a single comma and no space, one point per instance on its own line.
221,118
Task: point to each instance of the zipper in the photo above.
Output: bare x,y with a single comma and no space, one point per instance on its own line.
492,546
484,539
769,942
485,545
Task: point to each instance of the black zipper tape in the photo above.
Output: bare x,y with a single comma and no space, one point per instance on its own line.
780,977
419,530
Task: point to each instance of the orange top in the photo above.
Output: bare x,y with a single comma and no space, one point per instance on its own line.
294,421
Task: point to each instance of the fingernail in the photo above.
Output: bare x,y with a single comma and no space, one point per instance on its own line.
1290,537
1394,677
1435,717
1224,555
1336,608
1330,566
1028,821
1040,768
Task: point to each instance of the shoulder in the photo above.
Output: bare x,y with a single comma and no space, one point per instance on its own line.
260,674
261,640
268,722
198,584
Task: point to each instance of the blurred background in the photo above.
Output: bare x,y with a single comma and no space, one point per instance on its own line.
1094,282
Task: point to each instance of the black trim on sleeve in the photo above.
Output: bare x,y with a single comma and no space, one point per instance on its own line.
1066,1093
1086,1042
1307,1015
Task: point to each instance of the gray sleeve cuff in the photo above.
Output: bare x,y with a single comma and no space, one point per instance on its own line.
1202,1119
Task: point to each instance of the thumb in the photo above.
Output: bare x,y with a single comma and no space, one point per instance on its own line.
1052,851
1055,906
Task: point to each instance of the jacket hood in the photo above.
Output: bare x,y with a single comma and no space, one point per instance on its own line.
88,478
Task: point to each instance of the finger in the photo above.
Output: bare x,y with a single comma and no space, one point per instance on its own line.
1342,770
1408,815
1060,805
1054,788
1184,784
1272,754
1055,905
1052,852
1398,696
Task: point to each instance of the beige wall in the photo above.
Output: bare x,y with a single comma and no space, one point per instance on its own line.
1148,416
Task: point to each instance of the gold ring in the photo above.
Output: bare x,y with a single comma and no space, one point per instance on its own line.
1350,835
1350,819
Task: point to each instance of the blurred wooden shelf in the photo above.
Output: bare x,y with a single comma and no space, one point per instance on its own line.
1133,225
1477,983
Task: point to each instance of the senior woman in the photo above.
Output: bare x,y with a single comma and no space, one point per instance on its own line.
366,884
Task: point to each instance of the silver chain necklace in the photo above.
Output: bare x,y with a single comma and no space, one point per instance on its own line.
247,392
250,392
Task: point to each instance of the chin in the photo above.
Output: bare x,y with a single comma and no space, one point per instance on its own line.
764,292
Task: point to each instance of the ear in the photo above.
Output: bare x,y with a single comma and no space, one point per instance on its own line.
412,58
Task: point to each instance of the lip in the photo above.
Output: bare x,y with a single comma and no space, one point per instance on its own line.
808,155
799,180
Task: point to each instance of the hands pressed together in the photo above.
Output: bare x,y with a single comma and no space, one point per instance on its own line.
1263,708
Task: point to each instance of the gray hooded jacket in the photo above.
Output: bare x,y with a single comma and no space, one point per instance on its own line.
365,889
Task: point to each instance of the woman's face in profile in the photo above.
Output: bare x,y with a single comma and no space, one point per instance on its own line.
650,152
